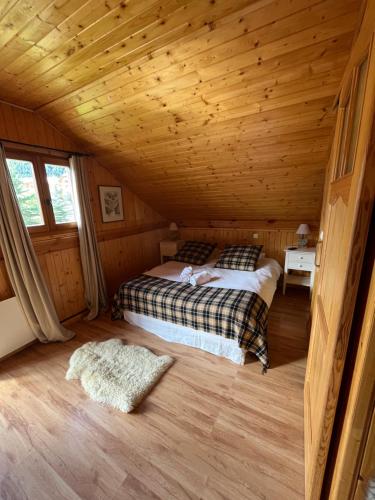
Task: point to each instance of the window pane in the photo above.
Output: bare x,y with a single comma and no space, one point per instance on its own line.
360,94
342,143
24,182
60,187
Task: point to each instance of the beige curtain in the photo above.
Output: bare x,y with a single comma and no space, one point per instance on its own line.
23,267
93,276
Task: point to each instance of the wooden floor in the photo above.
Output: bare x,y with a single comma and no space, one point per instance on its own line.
209,430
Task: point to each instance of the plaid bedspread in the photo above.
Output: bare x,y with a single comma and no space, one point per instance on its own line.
233,314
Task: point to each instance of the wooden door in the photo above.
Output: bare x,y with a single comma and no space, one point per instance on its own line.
347,214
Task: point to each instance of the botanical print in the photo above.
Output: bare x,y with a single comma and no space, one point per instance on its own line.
111,203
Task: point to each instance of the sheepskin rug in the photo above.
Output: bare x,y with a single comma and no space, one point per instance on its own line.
116,374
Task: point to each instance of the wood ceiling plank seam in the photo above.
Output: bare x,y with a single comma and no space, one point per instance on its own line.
39,82
146,118
185,64
287,166
258,190
277,155
288,121
51,17
70,121
185,82
266,92
72,28
74,49
53,108
220,42
257,177
283,169
221,182
27,39
216,121
286,138
19,15
270,86
206,22
330,29
6,6
120,71
268,83
253,164
70,114
162,139
252,146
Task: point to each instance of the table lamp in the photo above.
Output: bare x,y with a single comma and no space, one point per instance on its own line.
173,231
302,231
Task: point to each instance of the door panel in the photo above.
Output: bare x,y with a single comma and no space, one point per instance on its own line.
347,216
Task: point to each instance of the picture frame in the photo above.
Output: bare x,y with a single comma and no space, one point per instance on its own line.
111,203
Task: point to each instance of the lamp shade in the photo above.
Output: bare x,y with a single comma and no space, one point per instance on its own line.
173,226
303,229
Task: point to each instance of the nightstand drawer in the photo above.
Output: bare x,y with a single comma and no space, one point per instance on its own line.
300,264
301,257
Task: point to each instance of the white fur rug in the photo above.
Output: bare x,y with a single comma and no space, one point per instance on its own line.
116,374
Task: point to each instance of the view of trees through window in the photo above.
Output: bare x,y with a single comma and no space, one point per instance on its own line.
24,182
60,187
28,191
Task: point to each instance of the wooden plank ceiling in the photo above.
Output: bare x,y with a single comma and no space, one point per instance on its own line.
209,109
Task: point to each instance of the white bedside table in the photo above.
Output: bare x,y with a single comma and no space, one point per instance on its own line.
169,248
301,259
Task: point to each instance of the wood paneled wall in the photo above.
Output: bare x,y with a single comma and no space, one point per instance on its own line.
273,239
126,247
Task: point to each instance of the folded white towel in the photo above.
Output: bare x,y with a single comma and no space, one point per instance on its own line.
201,278
186,274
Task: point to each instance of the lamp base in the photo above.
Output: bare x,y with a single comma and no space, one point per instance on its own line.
173,235
302,242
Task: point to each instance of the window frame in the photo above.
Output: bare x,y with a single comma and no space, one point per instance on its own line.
347,107
38,161
55,161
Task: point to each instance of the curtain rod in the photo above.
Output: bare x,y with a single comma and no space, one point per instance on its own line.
37,146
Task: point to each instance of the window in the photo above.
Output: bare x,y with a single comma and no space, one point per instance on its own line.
43,186
351,113
60,188
357,114
25,186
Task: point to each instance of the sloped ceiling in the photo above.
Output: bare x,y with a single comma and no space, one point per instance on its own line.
208,109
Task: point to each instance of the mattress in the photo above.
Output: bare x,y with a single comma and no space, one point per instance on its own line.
262,281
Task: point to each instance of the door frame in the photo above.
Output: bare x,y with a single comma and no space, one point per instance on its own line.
363,182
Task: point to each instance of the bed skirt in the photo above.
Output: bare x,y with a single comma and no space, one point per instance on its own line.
215,344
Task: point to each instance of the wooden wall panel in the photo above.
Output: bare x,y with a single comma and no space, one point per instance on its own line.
274,241
124,252
200,106
63,273
134,254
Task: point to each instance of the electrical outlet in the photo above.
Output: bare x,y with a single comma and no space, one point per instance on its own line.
255,236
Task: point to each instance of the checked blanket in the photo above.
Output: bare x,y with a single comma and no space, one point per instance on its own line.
235,314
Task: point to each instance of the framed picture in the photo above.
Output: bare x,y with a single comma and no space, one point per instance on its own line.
111,203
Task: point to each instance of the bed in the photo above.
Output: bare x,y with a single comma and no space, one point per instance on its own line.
239,287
